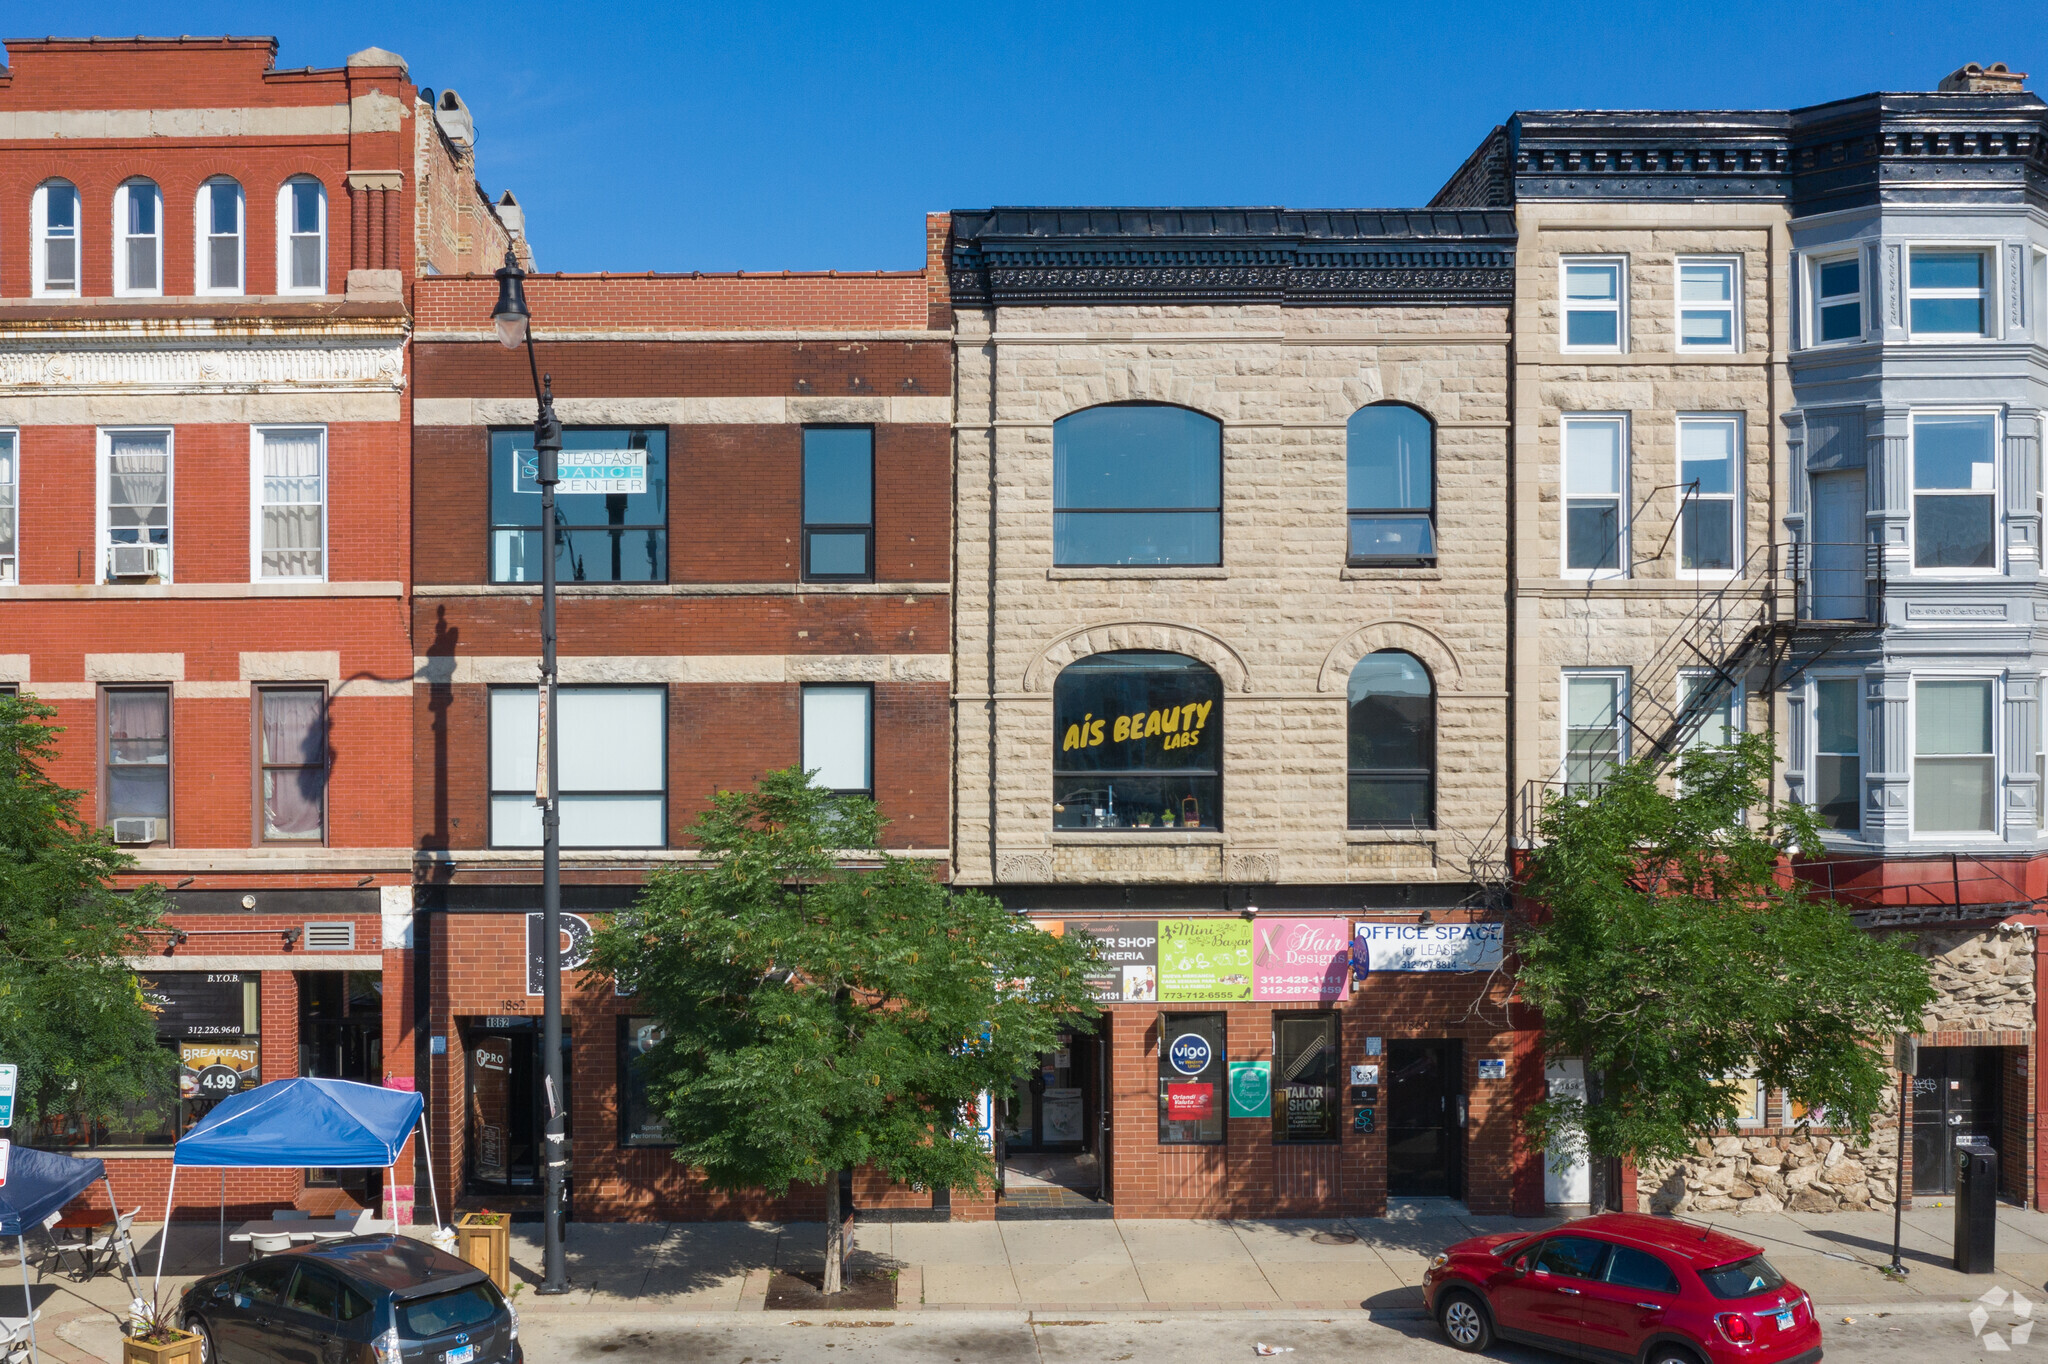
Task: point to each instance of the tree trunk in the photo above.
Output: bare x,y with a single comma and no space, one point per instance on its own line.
1601,1190
835,1244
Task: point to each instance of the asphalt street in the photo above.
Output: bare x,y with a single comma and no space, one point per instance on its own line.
1008,1338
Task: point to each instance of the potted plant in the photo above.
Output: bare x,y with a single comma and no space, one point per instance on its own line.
484,1238
153,1336
1166,819
1144,819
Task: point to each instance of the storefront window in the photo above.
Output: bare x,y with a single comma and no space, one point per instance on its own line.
1193,1069
1137,743
639,1123
1305,1077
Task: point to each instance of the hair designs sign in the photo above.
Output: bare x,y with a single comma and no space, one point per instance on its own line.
1300,959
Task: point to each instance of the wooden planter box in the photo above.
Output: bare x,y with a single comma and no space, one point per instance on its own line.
183,1350
488,1246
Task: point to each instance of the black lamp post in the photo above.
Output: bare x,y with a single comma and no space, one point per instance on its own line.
514,325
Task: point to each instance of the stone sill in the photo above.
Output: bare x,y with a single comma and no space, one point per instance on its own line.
1409,836
1417,574
1111,574
1179,838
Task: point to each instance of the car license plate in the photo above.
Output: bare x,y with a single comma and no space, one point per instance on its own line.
1784,1324
461,1354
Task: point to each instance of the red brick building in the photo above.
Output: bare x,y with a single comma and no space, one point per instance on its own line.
754,567
206,276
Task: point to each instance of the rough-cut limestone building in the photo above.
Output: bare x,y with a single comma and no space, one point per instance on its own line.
1275,329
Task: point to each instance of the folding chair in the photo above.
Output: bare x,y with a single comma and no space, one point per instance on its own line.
115,1247
15,1340
264,1243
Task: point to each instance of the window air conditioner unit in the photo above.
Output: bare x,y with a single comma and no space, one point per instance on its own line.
135,830
330,937
135,561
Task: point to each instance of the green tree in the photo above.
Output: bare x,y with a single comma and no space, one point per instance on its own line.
71,1015
817,1018
1670,949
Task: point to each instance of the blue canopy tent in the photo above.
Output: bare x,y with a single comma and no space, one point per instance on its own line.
38,1184
307,1123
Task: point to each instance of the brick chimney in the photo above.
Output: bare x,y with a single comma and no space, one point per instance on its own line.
1977,79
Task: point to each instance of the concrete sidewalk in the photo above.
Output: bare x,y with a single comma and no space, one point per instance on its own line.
1055,1268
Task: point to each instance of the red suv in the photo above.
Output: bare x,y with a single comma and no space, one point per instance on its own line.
1623,1287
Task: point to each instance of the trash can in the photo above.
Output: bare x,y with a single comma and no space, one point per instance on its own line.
1976,1209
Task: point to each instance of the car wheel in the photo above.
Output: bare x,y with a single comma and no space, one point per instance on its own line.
206,1350
1465,1322
1671,1354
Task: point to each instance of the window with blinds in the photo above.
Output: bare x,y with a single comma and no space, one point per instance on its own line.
291,503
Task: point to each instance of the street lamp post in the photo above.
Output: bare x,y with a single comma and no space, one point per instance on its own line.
514,326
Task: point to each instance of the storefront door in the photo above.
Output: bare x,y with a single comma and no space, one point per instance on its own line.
1425,1099
1054,1108
507,1103
1955,1103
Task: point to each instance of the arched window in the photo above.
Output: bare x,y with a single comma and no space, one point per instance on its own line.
138,238
301,236
221,232
1393,743
55,220
1390,468
1137,483
1137,743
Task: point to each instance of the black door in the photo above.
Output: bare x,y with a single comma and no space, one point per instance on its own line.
507,1104
1425,1096
1053,1108
1955,1103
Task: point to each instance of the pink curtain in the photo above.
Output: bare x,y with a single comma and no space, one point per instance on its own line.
294,763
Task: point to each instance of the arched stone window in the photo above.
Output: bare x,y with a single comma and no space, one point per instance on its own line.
1392,768
1390,470
1137,483
1137,743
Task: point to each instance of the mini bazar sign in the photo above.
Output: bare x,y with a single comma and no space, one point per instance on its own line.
1174,726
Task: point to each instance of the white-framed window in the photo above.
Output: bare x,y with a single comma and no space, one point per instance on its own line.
302,236
1721,703
1595,293
138,239
1596,497
1955,492
10,506
1749,1095
1709,297
221,233
613,766
1835,778
288,470
1596,725
1710,493
1949,291
1955,755
839,738
55,218
1836,286
134,496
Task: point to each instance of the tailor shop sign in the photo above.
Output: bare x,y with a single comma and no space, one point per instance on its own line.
1218,961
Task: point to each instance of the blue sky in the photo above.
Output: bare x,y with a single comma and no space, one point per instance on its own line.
804,136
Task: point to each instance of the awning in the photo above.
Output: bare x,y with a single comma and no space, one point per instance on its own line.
39,1183
324,1124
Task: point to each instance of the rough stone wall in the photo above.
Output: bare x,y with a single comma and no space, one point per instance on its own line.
1282,620
1985,983
1628,623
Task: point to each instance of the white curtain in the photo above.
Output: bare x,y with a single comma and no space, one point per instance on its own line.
138,480
836,743
1954,785
294,504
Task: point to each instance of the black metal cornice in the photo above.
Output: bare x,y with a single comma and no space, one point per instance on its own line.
1010,257
1649,154
1909,148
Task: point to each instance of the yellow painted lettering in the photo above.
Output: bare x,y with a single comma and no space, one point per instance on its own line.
1202,713
1095,734
1072,739
1169,719
1122,730
1151,724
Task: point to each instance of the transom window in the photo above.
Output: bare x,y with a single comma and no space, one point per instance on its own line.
56,234
302,236
1137,483
1838,299
611,506
1955,785
1710,477
1595,302
1955,489
1947,291
1595,507
138,239
1392,723
1707,295
221,237
613,766
839,503
1137,743
1390,471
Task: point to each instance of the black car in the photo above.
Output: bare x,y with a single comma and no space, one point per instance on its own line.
364,1300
